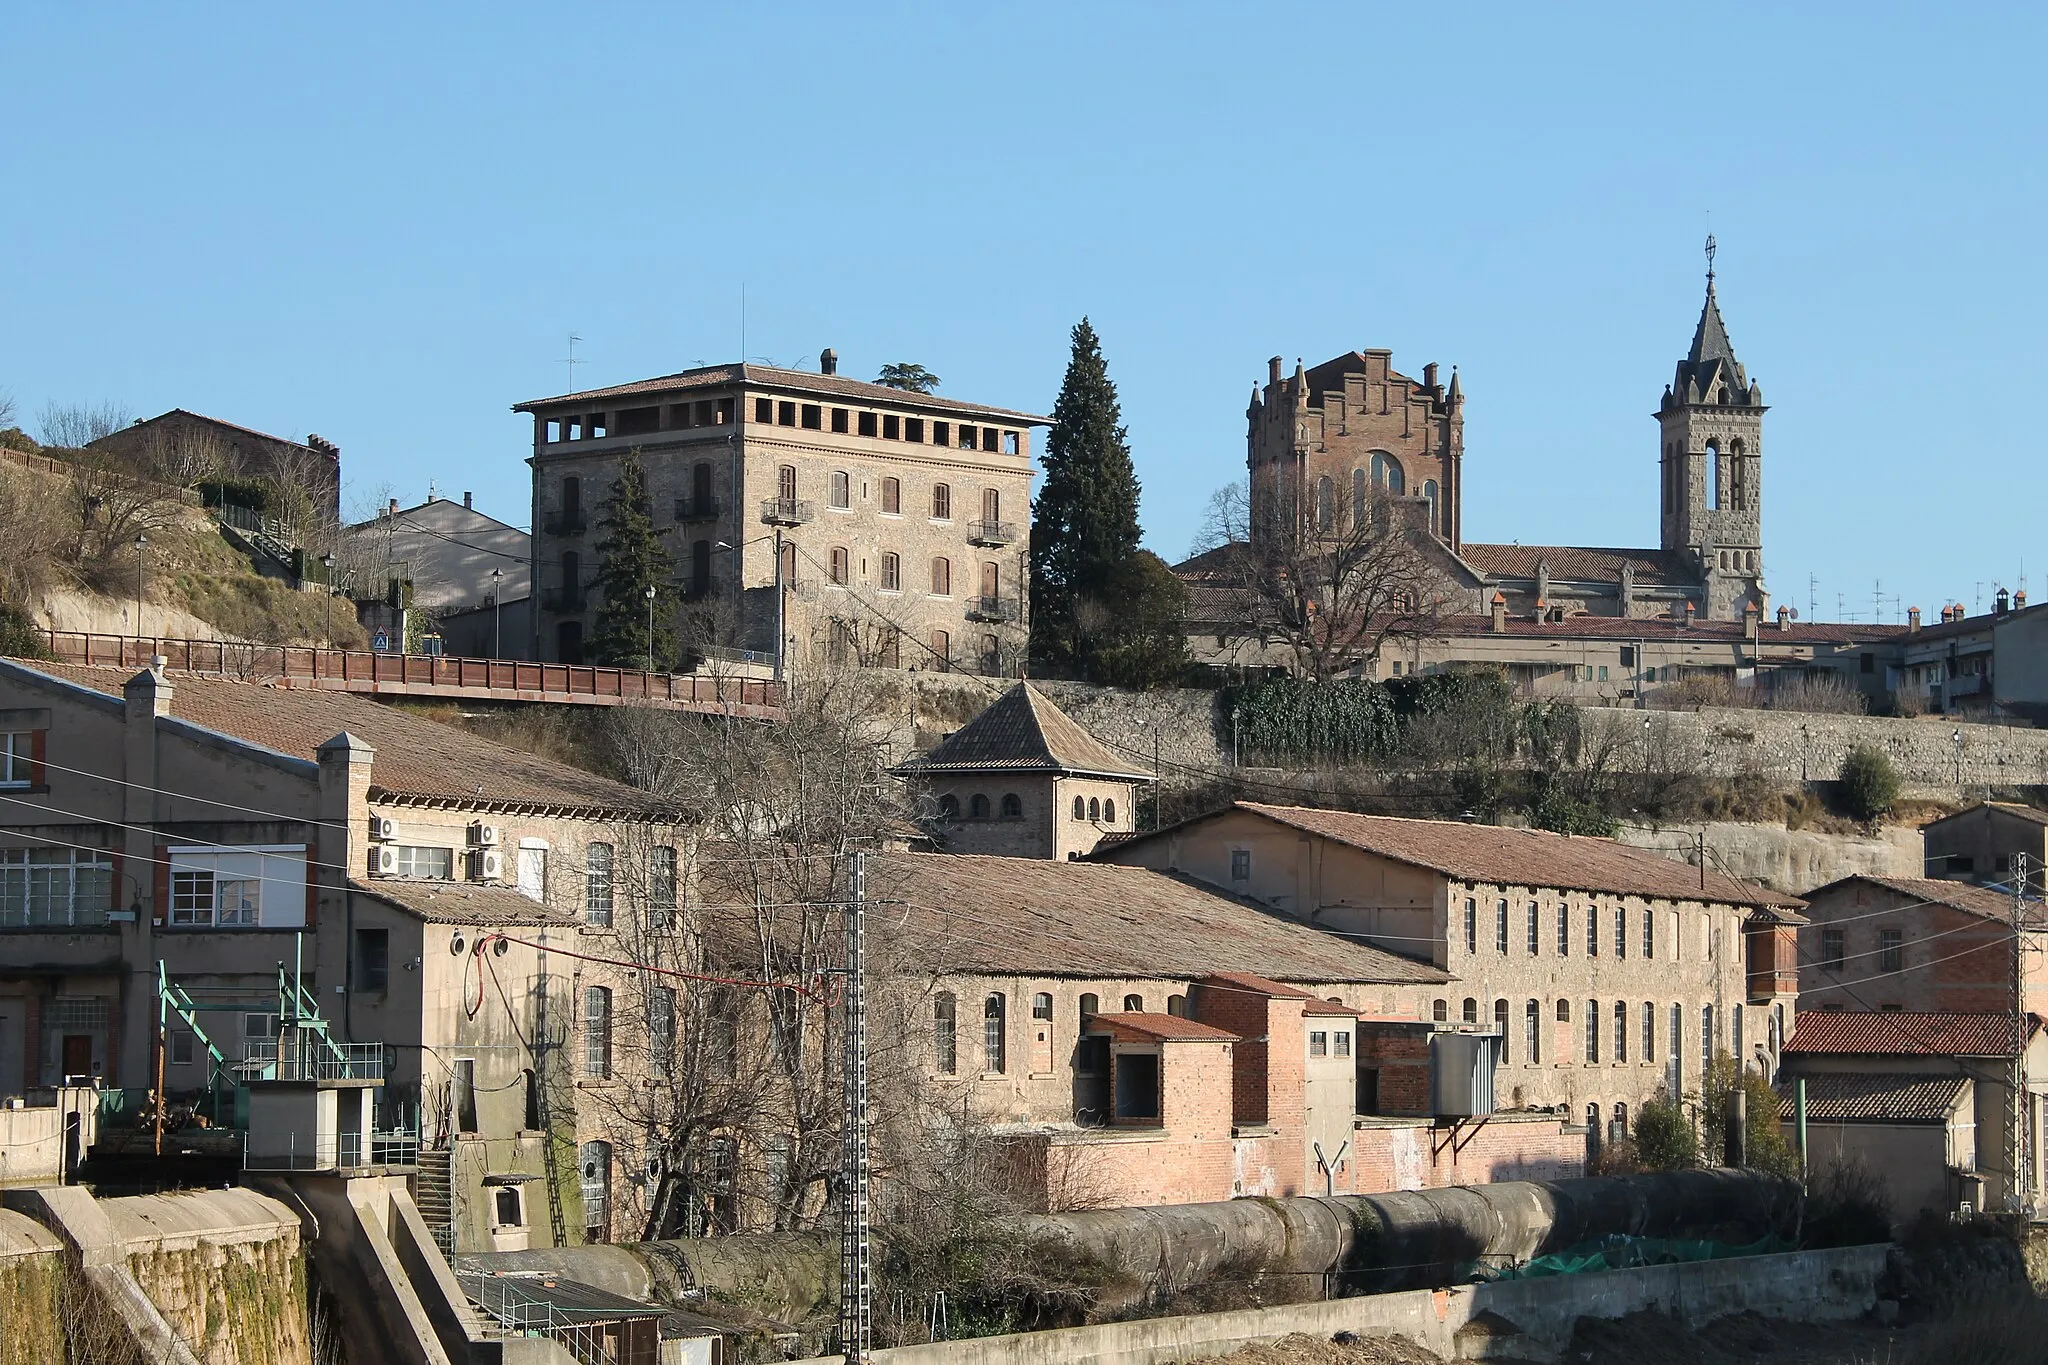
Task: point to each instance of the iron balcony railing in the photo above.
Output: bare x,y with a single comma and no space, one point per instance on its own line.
565,524
564,599
991,532
343,1151
697,509
991,609
787,511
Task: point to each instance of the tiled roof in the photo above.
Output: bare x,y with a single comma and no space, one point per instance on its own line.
1022,732
1897,1033
2012,808
1517,857
773,377
1875,1097
1167,1028
1971,900
1970,625
442,902
1259,985
416,758
1629,629
1578,563
1023,916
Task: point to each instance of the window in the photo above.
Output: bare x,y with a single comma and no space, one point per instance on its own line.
913,430
1471,925
892,571
839,421
17,758
1620,1031
842,492
991,505
942,577
661,887
785,413
1134,1004
1831,949
1318,1043
1108,810
1326,504
942,502
248,889
192,896
506,1203
836,562
1013,806
813,417
1890,950
373,959
1500,1025
1500,928
1471,1010
1649,934
180,1044
949,807
1706,1037
991,581
1532,1025
432,864
892,496
1535,929
1080,809
1340,1042
945,1046
1440,1011
942,650
785,482
994,1021
764,409
1592,1030
970,439
1386,473
1564,1011
892,428
661,1028
1564,931
942,433
1041,1008
1676,1038
1094,809
597,885
1240,864
1620,933
977,807
597,1032
1592,930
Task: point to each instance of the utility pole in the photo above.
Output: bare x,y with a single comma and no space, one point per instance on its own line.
780,588
2020,1104
854,1252
497,636
141,547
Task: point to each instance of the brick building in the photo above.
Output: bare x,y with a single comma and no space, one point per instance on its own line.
1022,779
1608,971
1908,943
900,520
1982,844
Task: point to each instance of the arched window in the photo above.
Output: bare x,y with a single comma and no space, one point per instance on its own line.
1080,809
1109,810
892,571
700,488
594,1166
942,650
788,562
1592,1030
842,489
1471,1014
1361,501
942,576
994,1033
838,561
1593,1128
572,581
991,582
1326,504
508,1207
1441,1011
1532,1024
977,807
597,1032
597,884
1564,1011
1013,806
942,502
949,807
785,482
572,498
1429,495
1713,474
1620,1031
892,496
1094,809
1500,1024
1134,1004
1177,1005
991,506
1091,1005
1386,473
1649,1032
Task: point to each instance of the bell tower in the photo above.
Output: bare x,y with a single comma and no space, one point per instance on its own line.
1710,423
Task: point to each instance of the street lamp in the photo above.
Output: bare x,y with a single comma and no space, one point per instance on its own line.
496,651
327,563
650,627
141,544
1957,740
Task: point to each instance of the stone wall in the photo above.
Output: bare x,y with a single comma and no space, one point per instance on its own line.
1784,859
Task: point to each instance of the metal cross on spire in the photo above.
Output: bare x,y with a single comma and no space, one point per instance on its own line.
1710,258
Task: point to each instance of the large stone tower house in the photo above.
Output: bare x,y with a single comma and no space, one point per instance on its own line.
1711,425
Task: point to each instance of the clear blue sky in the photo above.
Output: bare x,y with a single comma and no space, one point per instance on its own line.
380,222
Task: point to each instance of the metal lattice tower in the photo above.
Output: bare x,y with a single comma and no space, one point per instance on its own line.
855,1264
2019,1118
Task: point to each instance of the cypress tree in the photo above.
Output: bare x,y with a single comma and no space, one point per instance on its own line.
1084,526
631,559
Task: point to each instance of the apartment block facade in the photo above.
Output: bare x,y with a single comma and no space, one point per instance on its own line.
895,524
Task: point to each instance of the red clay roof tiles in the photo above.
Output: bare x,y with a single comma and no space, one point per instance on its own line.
1899,1033
1166,1028
1875,1097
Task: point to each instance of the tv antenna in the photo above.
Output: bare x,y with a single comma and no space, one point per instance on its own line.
571,361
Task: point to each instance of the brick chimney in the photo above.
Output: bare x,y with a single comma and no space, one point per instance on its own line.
1912,619
828,361
1542,609
1500,613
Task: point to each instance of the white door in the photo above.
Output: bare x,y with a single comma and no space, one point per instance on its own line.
533,873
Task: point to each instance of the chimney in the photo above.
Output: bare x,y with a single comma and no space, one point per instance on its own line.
1749,615
468,503
1784,618
1500,613
2002,603
1429,375
394,508
1689,610
1273,370
1542,608
828,361
2019,600
1912,619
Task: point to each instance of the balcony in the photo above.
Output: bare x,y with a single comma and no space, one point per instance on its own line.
565,523
991,609
298,1055
697,509
563,599
787,512
991,532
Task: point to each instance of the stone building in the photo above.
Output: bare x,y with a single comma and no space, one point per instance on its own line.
1984,843
412,874
1924,944
178,440
1023,780
1609,972
899,520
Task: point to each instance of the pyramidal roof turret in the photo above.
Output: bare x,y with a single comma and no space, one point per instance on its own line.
1710,367
1021,731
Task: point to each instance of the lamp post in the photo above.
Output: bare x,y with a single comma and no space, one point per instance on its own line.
141,545
327,563
650,627
1957,740
496,637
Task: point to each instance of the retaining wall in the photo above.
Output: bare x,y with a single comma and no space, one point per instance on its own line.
1524,1319
1790,860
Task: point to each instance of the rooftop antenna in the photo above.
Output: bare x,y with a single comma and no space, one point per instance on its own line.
1876,600
571,361
743,322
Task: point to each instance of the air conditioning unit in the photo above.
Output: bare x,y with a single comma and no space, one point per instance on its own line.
482,835
383,828
487,865
384,861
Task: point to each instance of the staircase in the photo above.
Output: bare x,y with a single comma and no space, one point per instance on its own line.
432,1191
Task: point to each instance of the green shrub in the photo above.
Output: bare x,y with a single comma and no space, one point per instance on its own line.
1664,1136
1869,782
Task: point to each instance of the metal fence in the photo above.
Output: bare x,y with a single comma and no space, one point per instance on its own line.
303,1056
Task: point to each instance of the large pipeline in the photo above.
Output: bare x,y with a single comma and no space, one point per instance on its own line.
1372,1243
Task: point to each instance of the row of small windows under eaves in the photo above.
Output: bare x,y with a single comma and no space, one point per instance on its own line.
888,426
1093,808
1610,1032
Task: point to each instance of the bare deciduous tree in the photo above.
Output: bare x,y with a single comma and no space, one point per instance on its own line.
112,504
1337,582
76,425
